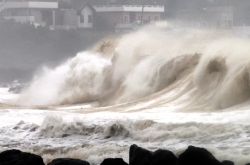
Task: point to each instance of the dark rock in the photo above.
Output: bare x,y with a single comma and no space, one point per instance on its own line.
16,157
114,161
227,162
140,156
8,155
162,157
197,156
68,161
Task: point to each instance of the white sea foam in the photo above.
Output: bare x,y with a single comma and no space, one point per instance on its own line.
77,80
100,135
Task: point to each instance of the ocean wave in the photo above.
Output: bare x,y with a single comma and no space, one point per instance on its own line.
151,64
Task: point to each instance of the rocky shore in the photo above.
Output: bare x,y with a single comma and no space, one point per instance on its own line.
137,156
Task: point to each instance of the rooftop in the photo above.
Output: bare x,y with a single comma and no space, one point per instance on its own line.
39,5
129,8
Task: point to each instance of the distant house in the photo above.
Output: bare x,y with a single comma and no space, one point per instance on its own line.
86,17
37,12
118,17
126,17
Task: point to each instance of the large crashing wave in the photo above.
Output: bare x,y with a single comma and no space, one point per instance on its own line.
208,69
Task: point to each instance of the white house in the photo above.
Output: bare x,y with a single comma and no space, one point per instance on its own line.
85,17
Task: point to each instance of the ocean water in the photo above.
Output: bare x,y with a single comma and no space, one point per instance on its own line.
159,89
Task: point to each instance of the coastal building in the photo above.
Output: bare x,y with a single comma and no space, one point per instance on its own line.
35,12
86,17
47,13
127,17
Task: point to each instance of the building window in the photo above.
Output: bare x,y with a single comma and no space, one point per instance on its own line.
90,19
81,18
126,19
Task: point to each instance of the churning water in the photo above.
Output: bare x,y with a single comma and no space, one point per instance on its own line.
157,88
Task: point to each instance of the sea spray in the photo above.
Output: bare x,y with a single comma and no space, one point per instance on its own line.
223,72
148,61
77,80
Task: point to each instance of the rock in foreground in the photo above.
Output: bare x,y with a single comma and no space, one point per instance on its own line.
114,161
16,157
140,156
197,156
68,161
137,156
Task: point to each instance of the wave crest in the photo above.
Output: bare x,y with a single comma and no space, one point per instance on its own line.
213,69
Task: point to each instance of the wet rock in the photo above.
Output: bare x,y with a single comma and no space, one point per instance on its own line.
140,156
16,157
197,156
68,161
227,162
162,157
114,161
